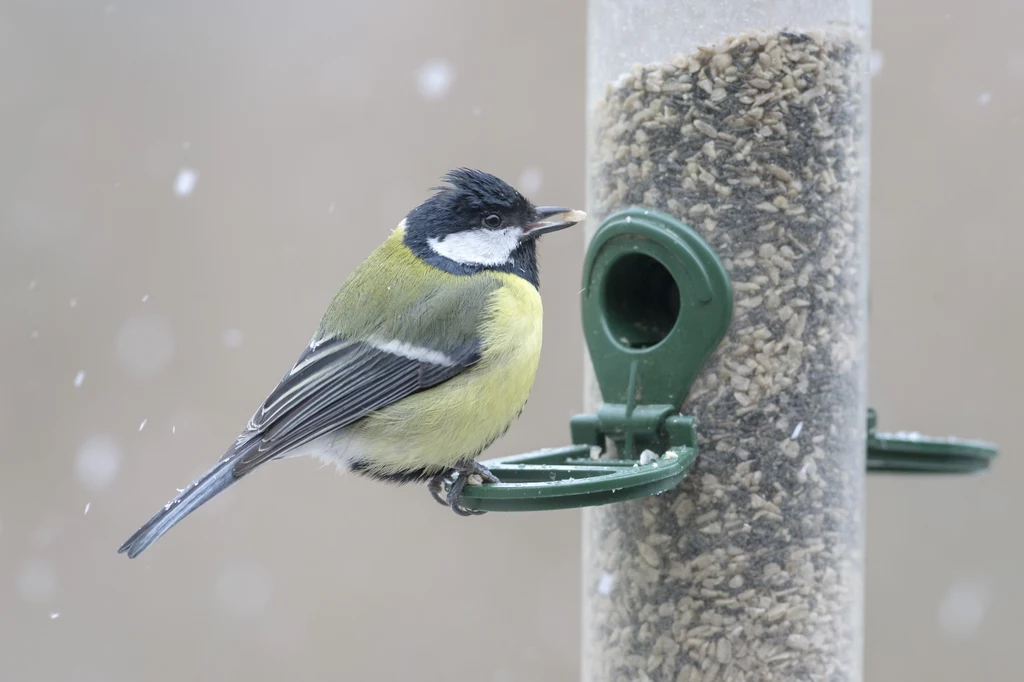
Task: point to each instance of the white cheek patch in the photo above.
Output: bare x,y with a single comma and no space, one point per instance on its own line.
478,247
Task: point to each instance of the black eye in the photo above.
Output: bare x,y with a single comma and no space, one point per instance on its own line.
492,220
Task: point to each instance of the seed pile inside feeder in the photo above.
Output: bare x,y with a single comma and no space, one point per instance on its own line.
751,570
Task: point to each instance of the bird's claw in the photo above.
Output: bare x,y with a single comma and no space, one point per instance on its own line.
435,486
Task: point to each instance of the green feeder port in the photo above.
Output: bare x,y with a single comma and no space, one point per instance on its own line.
656,303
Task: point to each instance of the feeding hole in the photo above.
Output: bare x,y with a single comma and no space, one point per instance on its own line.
641,301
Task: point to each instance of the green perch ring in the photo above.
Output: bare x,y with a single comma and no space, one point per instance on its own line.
913,453
564,478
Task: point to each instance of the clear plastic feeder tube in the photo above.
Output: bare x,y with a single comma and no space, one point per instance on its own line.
746,120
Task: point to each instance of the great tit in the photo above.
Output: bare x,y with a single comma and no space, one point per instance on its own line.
424,357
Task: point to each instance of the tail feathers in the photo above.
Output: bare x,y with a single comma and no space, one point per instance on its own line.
188,500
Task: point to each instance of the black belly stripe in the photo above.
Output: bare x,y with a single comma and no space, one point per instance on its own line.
400,478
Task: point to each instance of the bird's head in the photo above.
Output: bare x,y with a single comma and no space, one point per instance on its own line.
479,221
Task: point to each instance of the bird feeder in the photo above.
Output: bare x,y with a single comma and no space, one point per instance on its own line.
724,307
738,550
748,123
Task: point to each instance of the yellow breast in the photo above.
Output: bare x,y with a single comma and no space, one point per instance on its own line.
458,419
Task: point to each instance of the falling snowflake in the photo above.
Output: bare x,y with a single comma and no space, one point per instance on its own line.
435,78
186,181
97,462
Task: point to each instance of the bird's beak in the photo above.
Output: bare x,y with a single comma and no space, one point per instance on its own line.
551,219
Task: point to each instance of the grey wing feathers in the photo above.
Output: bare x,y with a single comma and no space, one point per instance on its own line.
335,383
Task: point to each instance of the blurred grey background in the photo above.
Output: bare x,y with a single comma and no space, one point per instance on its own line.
184,185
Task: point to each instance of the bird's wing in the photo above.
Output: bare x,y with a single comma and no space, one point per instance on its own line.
384,337
336,382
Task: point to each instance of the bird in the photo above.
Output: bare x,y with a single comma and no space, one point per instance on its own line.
424,357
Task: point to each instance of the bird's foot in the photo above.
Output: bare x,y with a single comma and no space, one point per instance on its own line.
435,486
463,473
